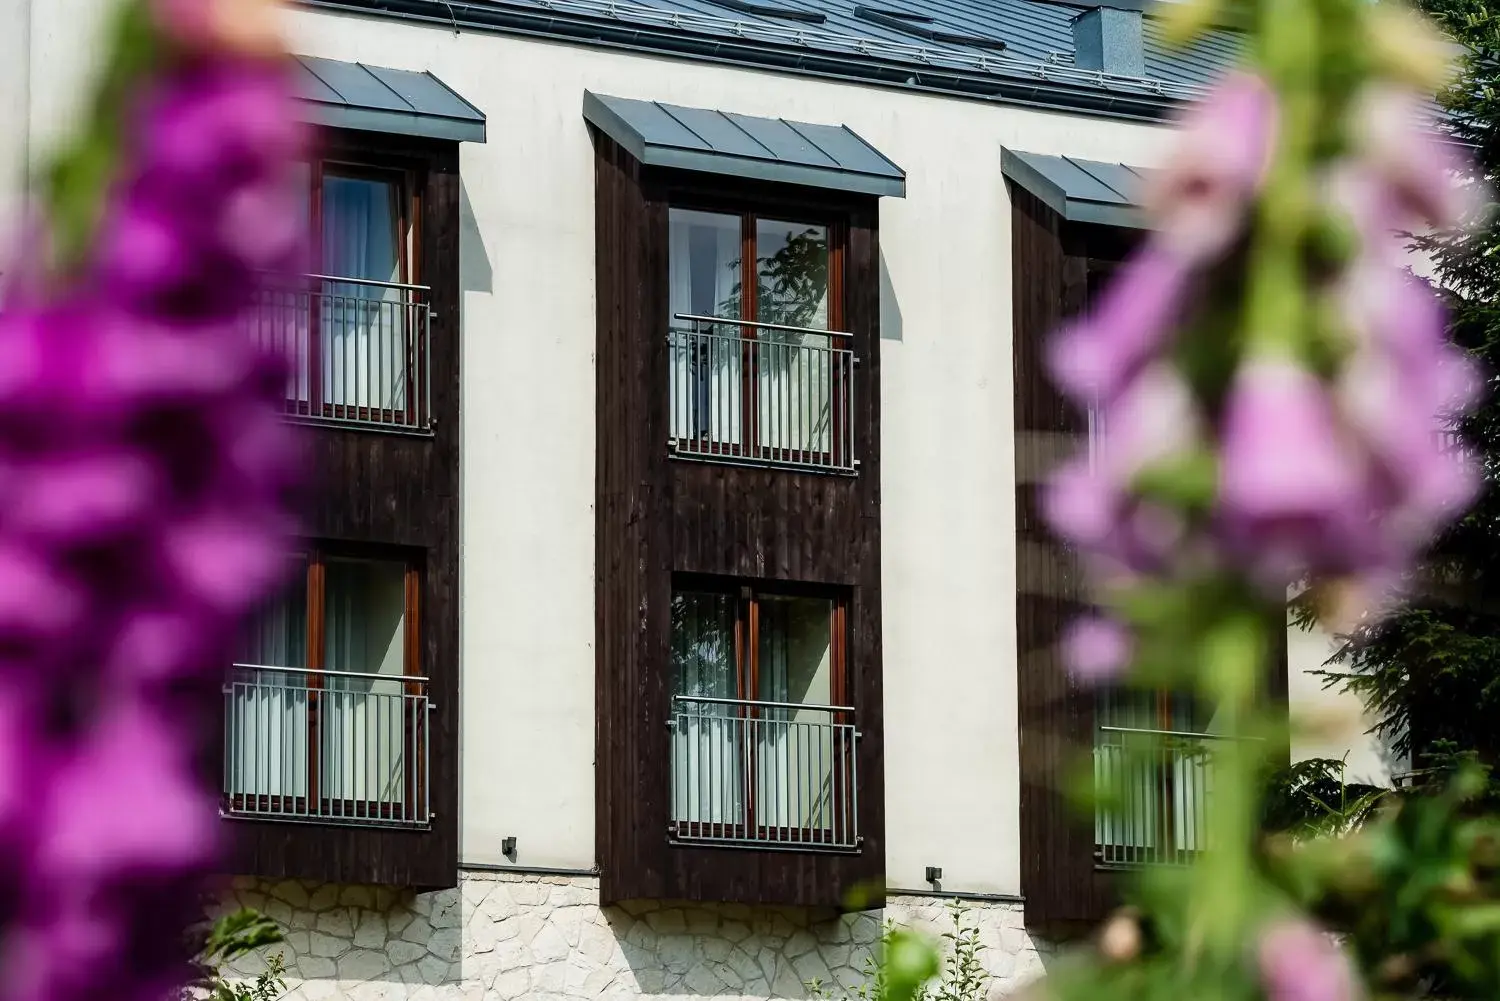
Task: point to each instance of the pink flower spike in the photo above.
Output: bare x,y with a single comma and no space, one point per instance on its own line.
1393,127
1288,477
1224,147
1095,650
1300,962
1081,505
1094,359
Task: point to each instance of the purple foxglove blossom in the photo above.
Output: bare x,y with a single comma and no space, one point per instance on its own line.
1300,962
1393,135
1097,357
1199,201
145,497
1081,505
1292,489
1095,650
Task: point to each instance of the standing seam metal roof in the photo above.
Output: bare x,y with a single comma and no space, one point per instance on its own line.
770,149
1037,35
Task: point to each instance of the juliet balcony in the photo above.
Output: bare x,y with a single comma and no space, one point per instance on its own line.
326,747
764,774
358,352
764,394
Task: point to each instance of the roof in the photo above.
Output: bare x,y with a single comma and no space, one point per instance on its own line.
1079,190
1019,51
356,96
768,149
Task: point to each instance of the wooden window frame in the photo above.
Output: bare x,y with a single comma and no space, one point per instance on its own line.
410,177
751,211
315,558
747,677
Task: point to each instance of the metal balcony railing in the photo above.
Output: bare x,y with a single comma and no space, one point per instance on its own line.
1159,785
760,393
764,774
358,352
338,747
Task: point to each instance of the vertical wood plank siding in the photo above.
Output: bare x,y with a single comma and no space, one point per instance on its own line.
1061,887
1054,265
401,491
656,517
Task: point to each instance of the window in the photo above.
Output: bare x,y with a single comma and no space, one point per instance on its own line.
763,738
355,332
326,706
1153,753
775,384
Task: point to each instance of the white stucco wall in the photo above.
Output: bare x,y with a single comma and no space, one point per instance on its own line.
15,109
528,430
1333,722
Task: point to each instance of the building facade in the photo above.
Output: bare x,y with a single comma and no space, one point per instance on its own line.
673,610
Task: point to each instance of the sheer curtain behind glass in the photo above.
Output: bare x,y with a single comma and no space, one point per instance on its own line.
707,365
795,376
363,328
794,748
1163,782
269,708
708,740
367,720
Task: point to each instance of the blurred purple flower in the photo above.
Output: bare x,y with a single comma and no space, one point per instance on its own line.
1095,358
146,489
1290,484
1393,128
1300,962
1095,650
1200,200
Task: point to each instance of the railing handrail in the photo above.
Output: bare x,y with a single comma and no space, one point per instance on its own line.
340,674
731,321
356,281
1192,735
761,705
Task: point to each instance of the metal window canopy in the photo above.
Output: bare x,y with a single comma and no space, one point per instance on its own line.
376,99
1105,194
764,149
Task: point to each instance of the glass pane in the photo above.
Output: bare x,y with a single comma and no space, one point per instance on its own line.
363,327
794,369
706,360
709,738
794,747
266,709
791,271
367,716
705,255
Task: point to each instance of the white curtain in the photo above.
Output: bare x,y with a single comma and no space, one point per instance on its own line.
268,720
709,740
363,328
366,723
706,362
1158,780
794,748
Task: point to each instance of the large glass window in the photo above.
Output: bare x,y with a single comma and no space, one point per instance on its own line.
327,706
763,739
355,332
759,368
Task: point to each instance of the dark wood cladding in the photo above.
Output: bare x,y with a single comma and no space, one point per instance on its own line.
1054,266
380,489
657,516
1049,281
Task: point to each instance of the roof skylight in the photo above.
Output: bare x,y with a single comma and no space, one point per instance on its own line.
770,10
923,26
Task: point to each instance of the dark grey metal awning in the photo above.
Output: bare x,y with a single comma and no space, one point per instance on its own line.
766,149
1107,194
356,96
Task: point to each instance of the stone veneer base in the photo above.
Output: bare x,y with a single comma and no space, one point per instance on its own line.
502,936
